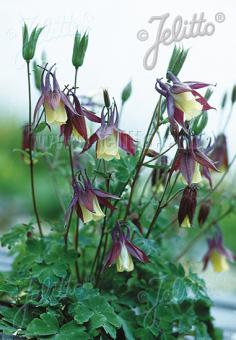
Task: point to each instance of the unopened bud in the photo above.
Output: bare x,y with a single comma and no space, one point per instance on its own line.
204,211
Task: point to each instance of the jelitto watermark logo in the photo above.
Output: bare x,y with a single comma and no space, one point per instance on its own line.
179,30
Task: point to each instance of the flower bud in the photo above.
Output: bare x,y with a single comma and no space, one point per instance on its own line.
79,49
29,43
204,212
187,206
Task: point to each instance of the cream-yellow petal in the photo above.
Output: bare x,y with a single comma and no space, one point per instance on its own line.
108,148
124,261
197,177
89,216
58,115
219,262
187,103
186,223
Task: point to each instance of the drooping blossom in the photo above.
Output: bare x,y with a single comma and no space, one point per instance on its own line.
27,142
182,99
109,138
86,201
123,250
188,159
187,206
217,254
219,152
52,99
76,121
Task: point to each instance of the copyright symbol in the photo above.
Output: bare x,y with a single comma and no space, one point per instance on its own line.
142,35
220,17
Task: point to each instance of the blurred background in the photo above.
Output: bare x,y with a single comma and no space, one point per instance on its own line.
114,57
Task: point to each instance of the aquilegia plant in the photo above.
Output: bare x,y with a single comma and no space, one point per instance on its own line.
113,264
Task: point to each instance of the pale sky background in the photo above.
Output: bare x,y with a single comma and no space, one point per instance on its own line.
115,55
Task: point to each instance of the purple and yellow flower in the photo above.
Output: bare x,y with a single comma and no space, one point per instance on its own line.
123,250
26,141
217,254
187,206
219,152
53,99
183,101
109,138
188,159
87,200
76,121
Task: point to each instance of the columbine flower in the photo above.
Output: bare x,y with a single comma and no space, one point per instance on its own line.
187,206
86,201
122,250
217,254
110,138
53,99
182,99
76,123
219,152
189,158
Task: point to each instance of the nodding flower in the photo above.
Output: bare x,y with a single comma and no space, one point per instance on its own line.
76,123
52,99
182,99
86,201
187,206
189,158
219,152
217,254
26,141
109,138
123,250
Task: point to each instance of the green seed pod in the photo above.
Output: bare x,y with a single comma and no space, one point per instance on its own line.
29,43
79,49
126,93
233,95
106,98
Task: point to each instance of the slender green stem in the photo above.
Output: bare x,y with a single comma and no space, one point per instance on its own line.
146,145
31,154
159,208
76,249
159,155
228,118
